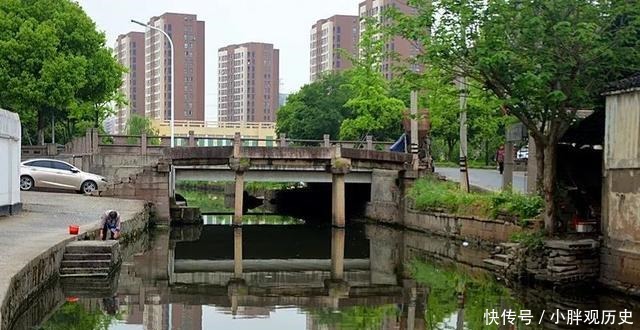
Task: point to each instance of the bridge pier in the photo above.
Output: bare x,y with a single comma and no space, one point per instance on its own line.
238,199
237,253
337,253
339,168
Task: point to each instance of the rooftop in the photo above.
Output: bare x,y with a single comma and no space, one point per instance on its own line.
632,82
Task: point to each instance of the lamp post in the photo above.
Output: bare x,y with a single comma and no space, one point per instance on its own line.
173,86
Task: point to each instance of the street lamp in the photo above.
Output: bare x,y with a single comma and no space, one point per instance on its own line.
173,86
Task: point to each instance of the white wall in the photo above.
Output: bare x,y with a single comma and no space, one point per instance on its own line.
10,133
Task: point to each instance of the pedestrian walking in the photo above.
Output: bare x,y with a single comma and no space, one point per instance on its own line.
500,158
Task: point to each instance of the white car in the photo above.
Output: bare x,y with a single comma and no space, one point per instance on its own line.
51,173
523,153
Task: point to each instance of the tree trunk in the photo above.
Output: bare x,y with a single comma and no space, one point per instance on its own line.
450,146
539,166
486,152
41,126
549,187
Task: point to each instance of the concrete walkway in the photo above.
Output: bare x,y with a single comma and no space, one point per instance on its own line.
486,179
44,223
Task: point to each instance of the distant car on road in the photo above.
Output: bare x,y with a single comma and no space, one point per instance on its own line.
51,173
523,153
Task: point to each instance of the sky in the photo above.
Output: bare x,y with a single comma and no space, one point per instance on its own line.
284,23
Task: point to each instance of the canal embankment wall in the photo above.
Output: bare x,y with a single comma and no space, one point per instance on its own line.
35,260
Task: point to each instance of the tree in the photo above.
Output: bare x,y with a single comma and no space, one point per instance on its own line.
138,125
53,62
374,111
317,109
544,60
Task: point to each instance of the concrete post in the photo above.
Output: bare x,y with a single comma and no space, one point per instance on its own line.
237,145
369,142
192,139
95,141
237,252
338,203
337,254
507,176
238,197
339,168
327,141
283,139
143,144
87,143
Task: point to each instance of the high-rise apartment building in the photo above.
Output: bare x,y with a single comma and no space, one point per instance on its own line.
248,82
328,36
129,51
398,45
187,34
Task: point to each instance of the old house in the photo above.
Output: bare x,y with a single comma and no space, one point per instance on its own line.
620,255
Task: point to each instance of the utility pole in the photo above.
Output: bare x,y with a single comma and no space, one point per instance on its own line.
464,173
414,130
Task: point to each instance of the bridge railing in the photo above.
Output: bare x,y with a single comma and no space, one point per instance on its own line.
92,142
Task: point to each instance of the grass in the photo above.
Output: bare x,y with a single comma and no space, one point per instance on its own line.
219,186
431,194
206,201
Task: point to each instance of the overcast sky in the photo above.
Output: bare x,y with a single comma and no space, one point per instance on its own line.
284,23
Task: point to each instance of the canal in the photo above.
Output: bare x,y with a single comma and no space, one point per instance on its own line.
281,272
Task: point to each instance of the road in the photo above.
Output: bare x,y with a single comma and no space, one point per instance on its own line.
486,179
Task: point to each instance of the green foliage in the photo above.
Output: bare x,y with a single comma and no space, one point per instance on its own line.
207,201
74,316
519,205
54,63
533,240
317,109
358,317
543,60
446,283
430,194
375,112
137,125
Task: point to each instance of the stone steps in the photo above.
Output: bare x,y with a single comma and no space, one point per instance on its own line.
68,264
496,264
87,256
90,259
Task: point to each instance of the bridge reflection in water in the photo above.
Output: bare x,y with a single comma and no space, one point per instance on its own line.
256,270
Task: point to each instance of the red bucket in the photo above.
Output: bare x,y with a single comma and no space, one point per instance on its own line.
73,229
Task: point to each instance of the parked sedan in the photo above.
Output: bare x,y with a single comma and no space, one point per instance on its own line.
51,173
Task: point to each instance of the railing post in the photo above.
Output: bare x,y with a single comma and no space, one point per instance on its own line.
369,142
327,141
283,139
87,143
143,144
192,139
95,141
237,145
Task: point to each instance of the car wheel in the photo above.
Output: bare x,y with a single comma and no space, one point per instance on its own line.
26,183
89,187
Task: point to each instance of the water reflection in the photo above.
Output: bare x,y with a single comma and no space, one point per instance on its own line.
306,277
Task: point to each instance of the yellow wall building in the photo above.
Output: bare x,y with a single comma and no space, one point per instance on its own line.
213,133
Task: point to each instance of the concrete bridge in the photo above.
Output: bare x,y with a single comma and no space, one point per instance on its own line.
238,163
146,168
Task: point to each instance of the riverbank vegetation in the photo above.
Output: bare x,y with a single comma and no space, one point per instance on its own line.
429,194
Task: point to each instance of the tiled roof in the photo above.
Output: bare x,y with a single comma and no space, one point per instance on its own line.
624,84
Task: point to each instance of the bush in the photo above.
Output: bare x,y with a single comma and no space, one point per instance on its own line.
430,194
